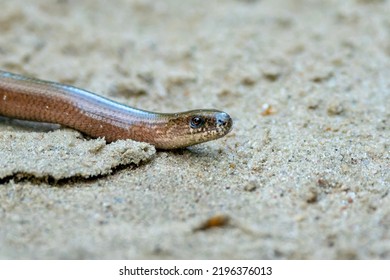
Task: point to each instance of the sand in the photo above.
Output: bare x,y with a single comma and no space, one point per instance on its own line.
305,173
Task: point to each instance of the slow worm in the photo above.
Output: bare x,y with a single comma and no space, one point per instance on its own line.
43,101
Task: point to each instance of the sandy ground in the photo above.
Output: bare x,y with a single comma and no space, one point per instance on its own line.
305,173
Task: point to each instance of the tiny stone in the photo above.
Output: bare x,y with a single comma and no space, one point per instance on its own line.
335,108
248,81
311,195
251,186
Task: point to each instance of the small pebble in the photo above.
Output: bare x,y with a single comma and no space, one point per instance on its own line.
251,186
335,108
219,220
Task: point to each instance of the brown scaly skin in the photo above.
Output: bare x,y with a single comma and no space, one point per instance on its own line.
36,100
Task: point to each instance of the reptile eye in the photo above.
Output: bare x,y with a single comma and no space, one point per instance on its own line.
196,122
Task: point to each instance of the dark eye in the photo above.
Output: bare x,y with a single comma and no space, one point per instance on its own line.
196,122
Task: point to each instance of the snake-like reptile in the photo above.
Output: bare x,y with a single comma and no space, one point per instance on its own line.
32,99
